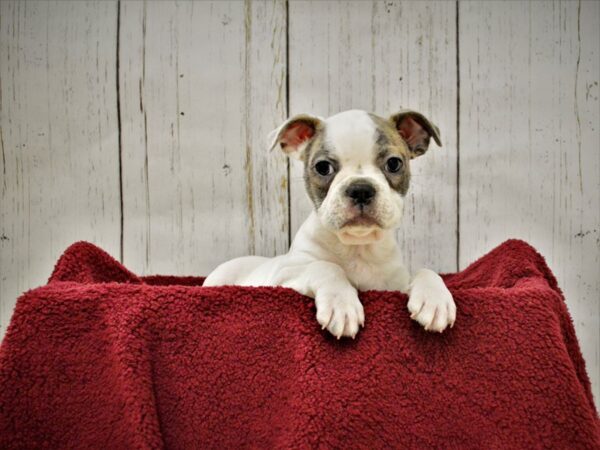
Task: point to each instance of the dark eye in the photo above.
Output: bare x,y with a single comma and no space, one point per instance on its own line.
393,165
324,168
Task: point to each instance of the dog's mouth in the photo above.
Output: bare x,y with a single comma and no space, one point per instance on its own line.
361,217
360,230
362,220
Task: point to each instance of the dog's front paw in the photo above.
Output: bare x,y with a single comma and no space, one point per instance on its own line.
340,311
430,302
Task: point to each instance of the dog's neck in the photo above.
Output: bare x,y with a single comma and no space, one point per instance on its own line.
317,240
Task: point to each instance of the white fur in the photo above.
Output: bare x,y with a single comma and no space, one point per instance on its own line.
321,264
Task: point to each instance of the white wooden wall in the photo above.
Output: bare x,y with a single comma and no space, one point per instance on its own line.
140,127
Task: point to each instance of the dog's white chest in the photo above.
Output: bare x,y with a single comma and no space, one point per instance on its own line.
364,275
366,272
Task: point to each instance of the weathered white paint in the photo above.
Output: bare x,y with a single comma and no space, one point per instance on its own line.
382,56
202,85
530,143
200,187
58,137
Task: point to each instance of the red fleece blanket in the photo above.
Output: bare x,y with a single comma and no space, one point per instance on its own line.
100,357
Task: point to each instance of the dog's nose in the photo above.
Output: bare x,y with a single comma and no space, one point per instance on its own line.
361,193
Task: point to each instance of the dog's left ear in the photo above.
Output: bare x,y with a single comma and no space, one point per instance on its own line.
416,130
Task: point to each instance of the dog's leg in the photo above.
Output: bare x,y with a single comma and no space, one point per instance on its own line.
338,307
234,271
430,302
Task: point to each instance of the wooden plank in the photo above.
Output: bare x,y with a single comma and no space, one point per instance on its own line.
202,85
58,137
381,56
529,144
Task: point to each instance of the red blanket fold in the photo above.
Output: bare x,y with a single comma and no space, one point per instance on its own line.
100,357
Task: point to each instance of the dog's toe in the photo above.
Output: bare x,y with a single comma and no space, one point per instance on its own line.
324,316
415,305
351,325
336,326
426,316
440,320
360,314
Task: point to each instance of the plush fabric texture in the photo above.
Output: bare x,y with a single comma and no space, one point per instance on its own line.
102,358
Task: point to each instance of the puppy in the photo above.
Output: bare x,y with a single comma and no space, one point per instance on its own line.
356,171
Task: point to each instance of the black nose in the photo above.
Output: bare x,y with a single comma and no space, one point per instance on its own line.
361,193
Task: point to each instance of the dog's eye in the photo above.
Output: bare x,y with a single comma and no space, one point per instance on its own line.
393,165
324,168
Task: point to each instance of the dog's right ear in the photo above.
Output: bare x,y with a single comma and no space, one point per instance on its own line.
294,134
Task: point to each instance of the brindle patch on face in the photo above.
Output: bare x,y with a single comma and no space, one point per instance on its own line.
318,185
388,143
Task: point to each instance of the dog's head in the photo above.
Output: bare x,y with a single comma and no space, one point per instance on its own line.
356,166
